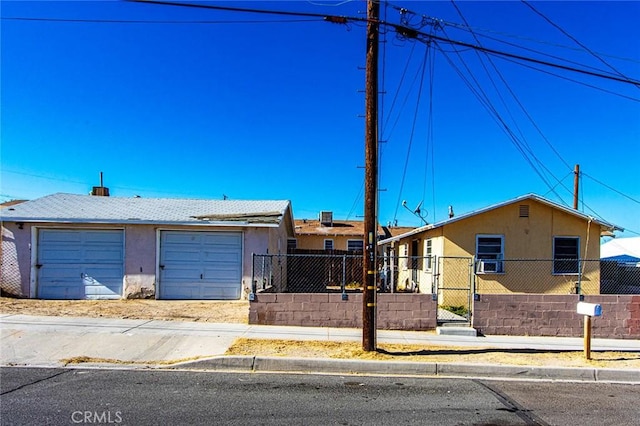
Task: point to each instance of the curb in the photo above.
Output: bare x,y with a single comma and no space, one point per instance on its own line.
258,364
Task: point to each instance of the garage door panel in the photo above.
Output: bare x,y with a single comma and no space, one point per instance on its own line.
175,273
187,238
200,265
103,255
187,255
76,265
101,237
58,235
219,257
223,239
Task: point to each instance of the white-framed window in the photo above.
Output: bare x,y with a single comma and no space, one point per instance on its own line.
404,256
292,243
566,255
428,253
328,244
355,245
490,254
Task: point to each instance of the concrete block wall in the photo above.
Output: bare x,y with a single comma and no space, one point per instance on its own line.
555,315
395,311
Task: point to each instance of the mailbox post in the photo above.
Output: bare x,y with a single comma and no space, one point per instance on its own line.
588,310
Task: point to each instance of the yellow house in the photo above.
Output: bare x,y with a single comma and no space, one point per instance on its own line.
525,245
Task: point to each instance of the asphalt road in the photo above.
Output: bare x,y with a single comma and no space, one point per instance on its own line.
33,396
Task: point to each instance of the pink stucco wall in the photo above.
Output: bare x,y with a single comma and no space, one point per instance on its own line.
140,261
15,270
140,254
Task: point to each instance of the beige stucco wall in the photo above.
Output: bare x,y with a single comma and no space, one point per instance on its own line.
524,238
316,242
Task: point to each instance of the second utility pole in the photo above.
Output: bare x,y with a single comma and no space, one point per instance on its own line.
371,179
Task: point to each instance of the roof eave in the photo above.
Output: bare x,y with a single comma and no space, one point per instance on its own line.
140,222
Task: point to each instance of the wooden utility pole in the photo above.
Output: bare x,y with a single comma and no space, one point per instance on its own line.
576,183
369,273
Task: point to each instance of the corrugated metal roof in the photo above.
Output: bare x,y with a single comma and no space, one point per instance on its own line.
602,223
70,208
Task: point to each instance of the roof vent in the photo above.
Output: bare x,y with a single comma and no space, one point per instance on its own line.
101,190
524,210
326,218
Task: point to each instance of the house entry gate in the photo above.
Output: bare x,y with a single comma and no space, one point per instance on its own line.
454,284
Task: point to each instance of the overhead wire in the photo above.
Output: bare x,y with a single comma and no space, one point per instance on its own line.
611,188
164,22
591,86
574,39
412,133
517,100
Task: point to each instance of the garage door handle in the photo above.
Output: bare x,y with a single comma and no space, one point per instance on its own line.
161,266
201,276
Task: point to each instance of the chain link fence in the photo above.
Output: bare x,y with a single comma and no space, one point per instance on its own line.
449,277
307,273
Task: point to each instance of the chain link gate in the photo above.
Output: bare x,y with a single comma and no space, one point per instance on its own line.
454,283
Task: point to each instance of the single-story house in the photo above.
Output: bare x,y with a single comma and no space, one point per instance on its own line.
326,233
525,245
67,246
622,250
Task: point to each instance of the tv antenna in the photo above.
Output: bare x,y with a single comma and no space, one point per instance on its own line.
417,211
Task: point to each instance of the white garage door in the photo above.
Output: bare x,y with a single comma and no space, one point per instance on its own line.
200,265
80,264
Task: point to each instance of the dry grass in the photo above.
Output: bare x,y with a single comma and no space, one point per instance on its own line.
422,353
83,359
170,310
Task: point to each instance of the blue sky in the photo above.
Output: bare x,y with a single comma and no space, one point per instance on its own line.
199,103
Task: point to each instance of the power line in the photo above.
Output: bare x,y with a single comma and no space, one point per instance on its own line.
573,39
611,188
129,21
404,31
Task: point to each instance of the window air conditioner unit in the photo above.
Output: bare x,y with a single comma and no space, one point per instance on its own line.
489,266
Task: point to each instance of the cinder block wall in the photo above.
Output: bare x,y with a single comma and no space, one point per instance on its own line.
555,315
395,311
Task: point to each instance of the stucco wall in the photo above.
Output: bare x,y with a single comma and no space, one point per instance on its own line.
140,254
140,262
316,242
555,315
524,238
395,311
15,269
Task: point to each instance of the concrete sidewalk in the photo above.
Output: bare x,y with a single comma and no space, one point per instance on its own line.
46,341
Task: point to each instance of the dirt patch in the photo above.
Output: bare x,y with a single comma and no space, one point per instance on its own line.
168,310
433,353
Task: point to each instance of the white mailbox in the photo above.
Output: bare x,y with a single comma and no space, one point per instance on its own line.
589,309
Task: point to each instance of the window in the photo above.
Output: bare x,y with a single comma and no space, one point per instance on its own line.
566,255
355,245
328,244
428,252
292,244
489,253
